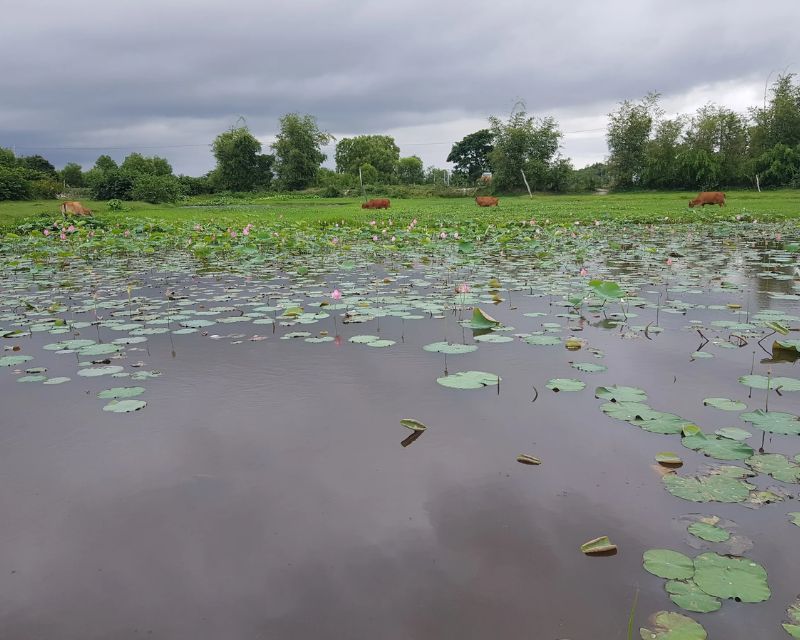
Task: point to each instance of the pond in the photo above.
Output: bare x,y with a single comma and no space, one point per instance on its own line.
195,450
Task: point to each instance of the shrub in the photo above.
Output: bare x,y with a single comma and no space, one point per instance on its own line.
13,184
45,188
155,189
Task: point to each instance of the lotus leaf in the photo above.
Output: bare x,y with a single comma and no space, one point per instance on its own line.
687,595
736,578
667,625
468,380
665,563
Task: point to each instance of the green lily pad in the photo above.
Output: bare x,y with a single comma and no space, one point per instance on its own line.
196,324
34,378
793,626
125,406
121,392
725,404
709,488
57,380
566,384
13,361
362,339
98,350
687,595
380,343
468,380
776,465
665,563
92,372
601,545
740,579
733,433
762,382
617,393
709,532
543,341
449,348
588,367
68,345
493,338
716,447
774,422
668,458
667,625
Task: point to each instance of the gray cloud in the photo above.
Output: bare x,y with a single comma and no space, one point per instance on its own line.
148,74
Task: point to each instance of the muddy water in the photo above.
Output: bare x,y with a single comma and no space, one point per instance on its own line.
264,491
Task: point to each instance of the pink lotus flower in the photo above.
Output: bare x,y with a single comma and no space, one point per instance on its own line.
246,230
335,240
442,235
127,233
91,234
233,234
372,224
46,232
71,228
584,271
197,227
336,294
596,223
463,288
63,236
414,222
374,238
669,262
778,237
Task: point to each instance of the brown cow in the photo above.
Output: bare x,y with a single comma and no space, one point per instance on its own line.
75,208
486,201
376,203
708,197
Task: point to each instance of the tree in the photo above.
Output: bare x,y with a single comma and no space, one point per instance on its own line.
369,174
662,154
7,158
13,183
240,166
38,164
105,163
379,151
435,175
524,144
628,134
410,171
779,166
137,164
715,149
779,121
297,151
72,174
156,188
471,154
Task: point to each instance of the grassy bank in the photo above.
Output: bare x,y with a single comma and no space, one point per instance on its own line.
648,207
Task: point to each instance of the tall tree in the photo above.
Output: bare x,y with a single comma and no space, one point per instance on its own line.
298,154
137,164
715,149
410,170
778,122
628,134
379,151
470,155
528,144
72,174
662,155
39,164
240,166
105,163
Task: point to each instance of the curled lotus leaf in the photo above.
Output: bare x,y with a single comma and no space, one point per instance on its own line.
669,564
524,458
669,459
598,546
482,320
414,425
739,579
668,625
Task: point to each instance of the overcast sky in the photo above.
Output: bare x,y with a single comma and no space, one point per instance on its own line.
164,77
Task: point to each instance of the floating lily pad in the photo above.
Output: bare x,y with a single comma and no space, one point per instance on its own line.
13,361
716,447
125,406
543,341
762,382
740,579
793,626
363,339
733,433
566,384
774,422
196,324
687,595
450,348
380,343
98,350
776,465
121,392
468,380
665,563
35,378
92,372
57,380
606,290
620,394
725,404
667,625
669,459
598,546
588,367
493,338
708,532
709,488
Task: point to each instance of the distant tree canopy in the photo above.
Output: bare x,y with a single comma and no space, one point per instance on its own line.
471,154
240,165
528,144
72,174
410,170
379,151
298,153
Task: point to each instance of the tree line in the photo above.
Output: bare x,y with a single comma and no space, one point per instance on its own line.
713,148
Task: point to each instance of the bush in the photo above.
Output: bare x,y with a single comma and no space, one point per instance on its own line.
13,184
155,189
192,186
107,185
45,189
115,205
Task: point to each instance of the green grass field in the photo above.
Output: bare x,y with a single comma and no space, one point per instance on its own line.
645,207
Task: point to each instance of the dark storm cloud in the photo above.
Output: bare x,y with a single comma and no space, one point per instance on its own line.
102,74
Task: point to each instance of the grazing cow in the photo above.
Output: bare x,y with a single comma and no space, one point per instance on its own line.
376,203
75,208
486,201
708,197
